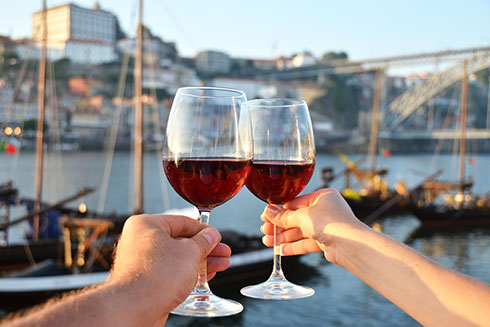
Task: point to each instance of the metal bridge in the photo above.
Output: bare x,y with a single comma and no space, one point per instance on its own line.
343,66
413,99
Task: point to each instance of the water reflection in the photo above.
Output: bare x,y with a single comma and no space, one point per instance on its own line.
466,250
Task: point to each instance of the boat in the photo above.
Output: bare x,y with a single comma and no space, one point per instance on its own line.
373,192
451,203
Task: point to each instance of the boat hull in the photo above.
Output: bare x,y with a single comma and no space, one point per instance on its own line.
365,206
432,216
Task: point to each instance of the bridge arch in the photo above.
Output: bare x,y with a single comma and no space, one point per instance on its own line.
408,102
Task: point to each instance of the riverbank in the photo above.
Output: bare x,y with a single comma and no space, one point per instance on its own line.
324,144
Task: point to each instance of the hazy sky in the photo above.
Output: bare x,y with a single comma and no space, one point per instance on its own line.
269,28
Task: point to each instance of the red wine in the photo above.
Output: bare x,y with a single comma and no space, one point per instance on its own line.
207,183
279,182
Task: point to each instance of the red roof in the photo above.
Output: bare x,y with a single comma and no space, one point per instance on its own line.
6,40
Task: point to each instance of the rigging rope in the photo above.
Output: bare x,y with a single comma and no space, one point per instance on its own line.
111,142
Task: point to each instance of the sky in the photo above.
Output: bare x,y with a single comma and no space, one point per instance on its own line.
270,28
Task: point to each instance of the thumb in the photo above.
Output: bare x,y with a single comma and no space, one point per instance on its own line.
207,239
280,216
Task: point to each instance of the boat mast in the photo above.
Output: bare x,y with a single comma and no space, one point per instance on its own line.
40,122
373,139
462,145
138,113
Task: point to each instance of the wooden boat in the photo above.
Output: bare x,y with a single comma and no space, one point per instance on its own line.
373,193
443,203
442,216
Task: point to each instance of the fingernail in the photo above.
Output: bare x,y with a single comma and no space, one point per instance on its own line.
272,210
211,235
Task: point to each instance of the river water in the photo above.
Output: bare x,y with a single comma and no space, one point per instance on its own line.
341,299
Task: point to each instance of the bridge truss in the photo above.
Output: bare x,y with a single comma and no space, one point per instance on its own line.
411,100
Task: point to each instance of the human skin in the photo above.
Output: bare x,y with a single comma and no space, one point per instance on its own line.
155,268
430,293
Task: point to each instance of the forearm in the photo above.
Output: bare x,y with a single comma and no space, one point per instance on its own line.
427,291
105,305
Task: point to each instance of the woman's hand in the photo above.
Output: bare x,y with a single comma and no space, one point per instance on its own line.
310,223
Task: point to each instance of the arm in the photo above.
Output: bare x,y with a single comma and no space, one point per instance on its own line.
427,291
156,267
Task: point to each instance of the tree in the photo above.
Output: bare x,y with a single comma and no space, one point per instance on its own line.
62,69
160,93
31,125
332,55
9,60
483,76
339,102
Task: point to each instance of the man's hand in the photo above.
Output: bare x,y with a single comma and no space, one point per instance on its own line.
158,256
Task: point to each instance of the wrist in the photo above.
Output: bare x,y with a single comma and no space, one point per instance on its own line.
139,300
338,241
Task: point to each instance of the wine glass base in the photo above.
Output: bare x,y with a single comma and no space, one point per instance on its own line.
209,305
277,289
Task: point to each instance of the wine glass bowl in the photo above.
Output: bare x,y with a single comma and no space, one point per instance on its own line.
207,157
284,161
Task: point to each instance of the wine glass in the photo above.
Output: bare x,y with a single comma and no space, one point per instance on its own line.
207,157
284,160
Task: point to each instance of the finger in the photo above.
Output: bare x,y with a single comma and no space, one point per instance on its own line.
206,241
268,240
268,228
291,235
211,275
283,218
306,200
221,250
300,247
288,236
179,226
217,263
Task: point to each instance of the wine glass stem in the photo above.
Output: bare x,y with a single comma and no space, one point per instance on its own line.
202,286
277,270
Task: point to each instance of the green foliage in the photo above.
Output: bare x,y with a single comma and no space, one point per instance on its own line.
31,125
62,69
332,55
9,61
339,102
340,94
483,76
109,64
111,77
160,93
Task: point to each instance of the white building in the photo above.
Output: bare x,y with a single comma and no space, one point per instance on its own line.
303,59
27,49
213,62
170,78
156,52
253,88
80,34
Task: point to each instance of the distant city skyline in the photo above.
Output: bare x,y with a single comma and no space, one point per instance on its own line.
268,29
